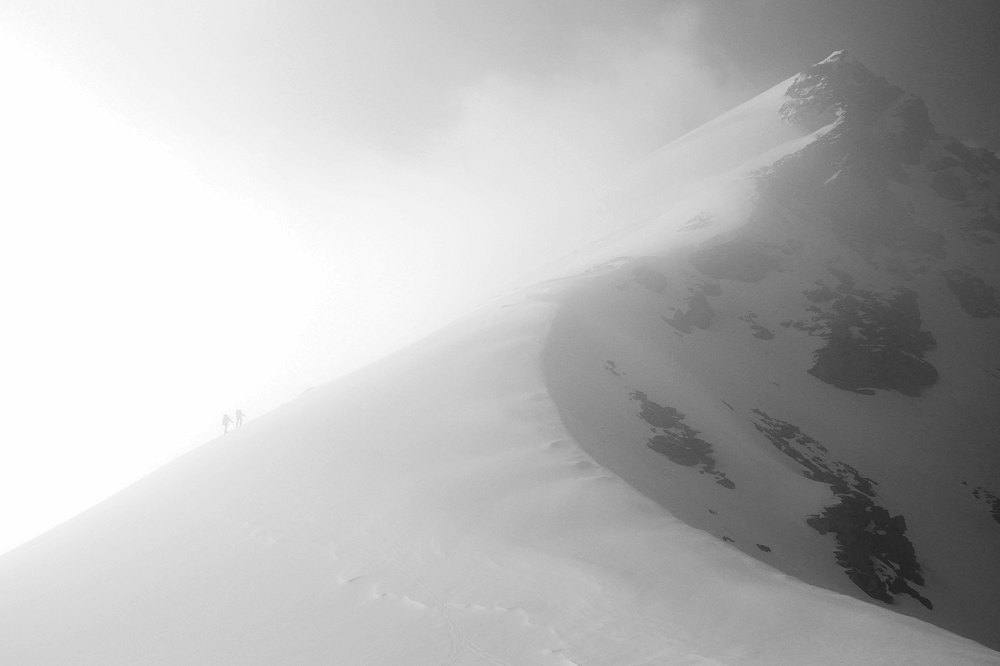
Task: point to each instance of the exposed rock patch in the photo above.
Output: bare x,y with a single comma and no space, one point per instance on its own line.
813,457
698,314
909,129
678,441
866,216
975,296
990,499
838,84
759,331
873,341
844,175
872,547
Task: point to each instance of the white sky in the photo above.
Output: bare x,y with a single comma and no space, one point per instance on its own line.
217,204
138,299
156,275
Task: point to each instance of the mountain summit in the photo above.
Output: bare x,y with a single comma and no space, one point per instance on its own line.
842,308
755,425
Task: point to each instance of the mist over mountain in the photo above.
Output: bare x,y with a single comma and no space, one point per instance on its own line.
840,320
756,424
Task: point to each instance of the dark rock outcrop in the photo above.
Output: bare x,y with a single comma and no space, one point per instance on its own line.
872,547
699,314
990,499
975,296
678,441
873,341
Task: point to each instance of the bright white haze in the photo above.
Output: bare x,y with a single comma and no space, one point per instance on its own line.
213,205
217,206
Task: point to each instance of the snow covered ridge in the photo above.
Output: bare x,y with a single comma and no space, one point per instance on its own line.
839,83
778,378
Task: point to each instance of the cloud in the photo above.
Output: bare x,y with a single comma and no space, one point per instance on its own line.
539,149
482,133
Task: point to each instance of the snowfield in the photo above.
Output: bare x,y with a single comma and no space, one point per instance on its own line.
666,453
430,510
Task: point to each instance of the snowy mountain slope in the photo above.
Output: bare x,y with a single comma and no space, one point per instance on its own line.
479,498
814,373
431,510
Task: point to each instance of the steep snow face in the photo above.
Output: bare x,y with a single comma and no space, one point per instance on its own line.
812,374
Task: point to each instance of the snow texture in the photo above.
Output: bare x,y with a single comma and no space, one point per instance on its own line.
755,425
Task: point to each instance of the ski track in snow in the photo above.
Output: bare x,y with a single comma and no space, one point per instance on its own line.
459,642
